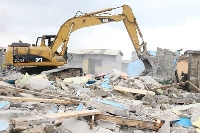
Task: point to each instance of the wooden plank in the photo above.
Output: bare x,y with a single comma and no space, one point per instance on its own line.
168,86
32,120
153,125
194,86
24,99
131,90
17,90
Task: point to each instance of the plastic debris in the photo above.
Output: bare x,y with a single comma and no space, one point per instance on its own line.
80,107
4,124
4,104
184,121
105,83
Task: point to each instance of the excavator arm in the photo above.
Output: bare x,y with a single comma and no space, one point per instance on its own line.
96,18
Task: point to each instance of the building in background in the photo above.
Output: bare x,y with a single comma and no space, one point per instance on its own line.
182,65
95,61
194,67
125,64
2,59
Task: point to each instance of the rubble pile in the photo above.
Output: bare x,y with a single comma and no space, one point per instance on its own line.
96,104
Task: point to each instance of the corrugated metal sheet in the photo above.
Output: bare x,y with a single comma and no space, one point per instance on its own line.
95,51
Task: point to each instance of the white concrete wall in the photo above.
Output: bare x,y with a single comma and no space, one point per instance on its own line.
109,62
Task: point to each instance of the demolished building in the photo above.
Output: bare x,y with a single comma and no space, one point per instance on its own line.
95,60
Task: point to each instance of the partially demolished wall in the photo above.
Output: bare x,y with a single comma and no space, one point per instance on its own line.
167,63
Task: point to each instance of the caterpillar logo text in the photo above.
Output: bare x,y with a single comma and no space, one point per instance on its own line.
106,20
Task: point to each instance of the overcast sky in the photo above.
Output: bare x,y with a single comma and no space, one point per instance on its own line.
170,24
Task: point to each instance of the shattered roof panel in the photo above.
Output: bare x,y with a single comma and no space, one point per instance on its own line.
95,51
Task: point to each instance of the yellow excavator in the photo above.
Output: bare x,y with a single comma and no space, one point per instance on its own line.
47,54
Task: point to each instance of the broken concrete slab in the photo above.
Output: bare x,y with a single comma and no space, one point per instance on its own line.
76,80
35,129
151,99
150,81
116,74
48,128
103,130
165,127
76,126
39,82
184,101
107,107
195,118
131,90
32,120
106,124
62,129
8,114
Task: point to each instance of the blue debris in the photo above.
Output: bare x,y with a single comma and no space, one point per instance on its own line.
135,68
4,124
184,121
105,83
80,107
53,109
10,81
91,82
3,104
112,103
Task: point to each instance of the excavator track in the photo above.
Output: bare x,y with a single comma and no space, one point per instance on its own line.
54,72
63,72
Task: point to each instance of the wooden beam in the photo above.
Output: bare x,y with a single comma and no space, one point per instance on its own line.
32,120
18,90
131,90
168,86
194,86
25,99
153,125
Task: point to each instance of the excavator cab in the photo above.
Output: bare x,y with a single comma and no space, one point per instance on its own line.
46,40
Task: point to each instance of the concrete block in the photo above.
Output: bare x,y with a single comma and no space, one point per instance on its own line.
165,128
76,126
106,124
109,108
7,114
103,130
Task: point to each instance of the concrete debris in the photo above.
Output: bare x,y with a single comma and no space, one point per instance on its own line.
109,103
109,108
39,82
76,80
76,126
106,124
131,90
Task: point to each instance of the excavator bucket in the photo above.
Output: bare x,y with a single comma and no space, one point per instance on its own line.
150,63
